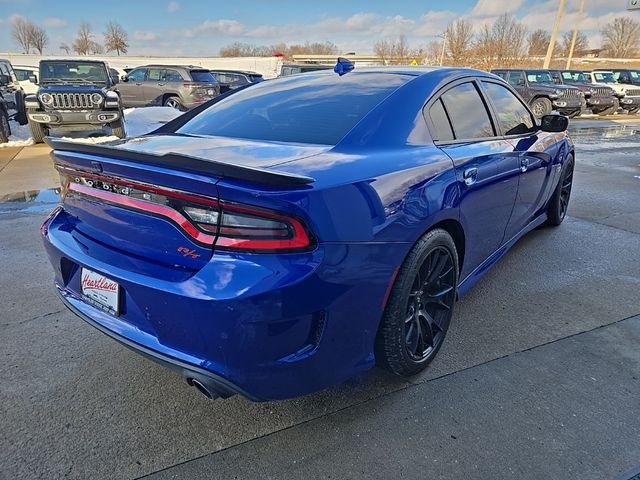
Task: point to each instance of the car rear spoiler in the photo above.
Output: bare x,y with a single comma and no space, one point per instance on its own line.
185,163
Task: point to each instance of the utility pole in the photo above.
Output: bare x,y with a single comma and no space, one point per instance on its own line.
554,34
444,43
575,35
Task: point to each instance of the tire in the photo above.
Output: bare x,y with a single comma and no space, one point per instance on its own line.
611,110
174,102
574,114
541,107
5,129
633,111
415,323
557,209
21,111
117,128
38,131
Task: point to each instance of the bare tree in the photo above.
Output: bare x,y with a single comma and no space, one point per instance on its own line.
459,41
501,43
581,46
65,48
433,51
116,38
538,42
84,39
238,49
39,38
621,37
393,51
21,33
95,48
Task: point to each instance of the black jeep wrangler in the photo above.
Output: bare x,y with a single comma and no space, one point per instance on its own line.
600,100
542,94
74,95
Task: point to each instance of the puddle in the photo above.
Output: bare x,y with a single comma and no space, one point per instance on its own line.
597,134
30,201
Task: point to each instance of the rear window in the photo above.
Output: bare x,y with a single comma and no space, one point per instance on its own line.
202,76
317,109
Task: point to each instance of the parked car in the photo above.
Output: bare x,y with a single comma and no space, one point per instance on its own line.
178,86
5,128
23,73
628,95
292,69
231,79
542,94
12,92
627,76
74,95
599,99
287,237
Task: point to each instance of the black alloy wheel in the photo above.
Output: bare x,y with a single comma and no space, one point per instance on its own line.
559,203
420,306
565,189
430,300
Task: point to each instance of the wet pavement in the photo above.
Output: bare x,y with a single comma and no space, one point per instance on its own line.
539,376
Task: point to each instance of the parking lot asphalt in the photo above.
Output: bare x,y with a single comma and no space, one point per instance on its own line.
538,378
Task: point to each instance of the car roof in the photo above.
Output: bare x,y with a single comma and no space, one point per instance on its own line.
414,71
244,72
189,67
81,60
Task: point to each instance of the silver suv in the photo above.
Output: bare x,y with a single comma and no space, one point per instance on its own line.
178,86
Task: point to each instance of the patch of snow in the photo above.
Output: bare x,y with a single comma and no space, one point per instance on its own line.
20,136
138,121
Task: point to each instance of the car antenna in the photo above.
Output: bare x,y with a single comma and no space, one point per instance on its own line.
343,66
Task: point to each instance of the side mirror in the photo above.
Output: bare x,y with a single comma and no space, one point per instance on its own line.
124,78
33,79
5,80
554,123
520,82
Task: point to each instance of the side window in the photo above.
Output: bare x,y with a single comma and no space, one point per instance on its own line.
440,123
467,112
154,74
516,78
513,116
172,76
137,75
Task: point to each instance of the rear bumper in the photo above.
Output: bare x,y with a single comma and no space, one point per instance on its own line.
221,386
266,326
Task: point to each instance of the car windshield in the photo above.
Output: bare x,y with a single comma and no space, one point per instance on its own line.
204,76
604,77
635,74
539,77
81,72
575,77
314,108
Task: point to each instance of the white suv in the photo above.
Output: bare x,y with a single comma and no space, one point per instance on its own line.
629,95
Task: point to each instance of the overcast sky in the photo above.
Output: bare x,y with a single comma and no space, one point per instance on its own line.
197,27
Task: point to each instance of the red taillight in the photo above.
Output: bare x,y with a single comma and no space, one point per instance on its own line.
206,220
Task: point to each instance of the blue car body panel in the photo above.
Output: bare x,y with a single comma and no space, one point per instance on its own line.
282,325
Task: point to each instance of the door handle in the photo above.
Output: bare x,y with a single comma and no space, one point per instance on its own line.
524,164
470,176
138,84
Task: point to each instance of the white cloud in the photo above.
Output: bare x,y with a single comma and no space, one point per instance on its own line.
217,28
145,36
173,7
55,22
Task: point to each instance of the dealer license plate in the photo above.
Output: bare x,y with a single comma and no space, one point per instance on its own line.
100,291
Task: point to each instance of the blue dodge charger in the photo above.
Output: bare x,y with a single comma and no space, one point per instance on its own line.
285,237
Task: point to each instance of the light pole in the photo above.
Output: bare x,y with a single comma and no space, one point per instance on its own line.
575,35
554,34
444,43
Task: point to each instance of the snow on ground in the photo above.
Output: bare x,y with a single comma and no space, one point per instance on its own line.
138,121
